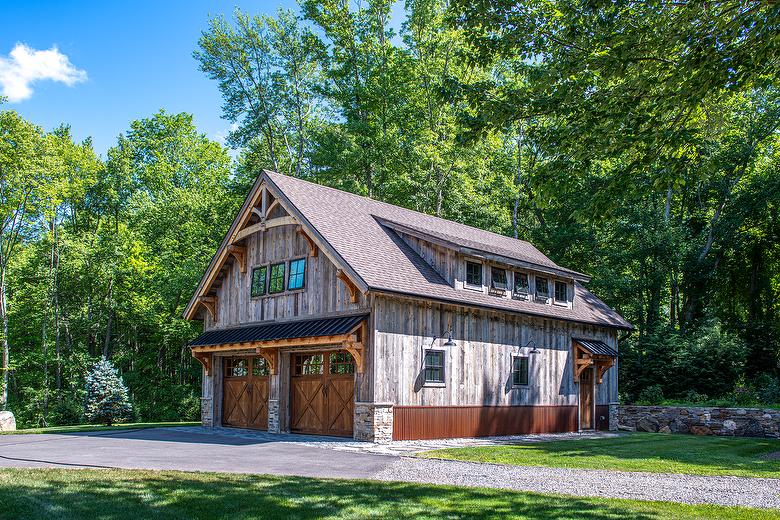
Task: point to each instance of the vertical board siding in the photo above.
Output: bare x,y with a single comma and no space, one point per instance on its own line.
437,422
478,368
322,294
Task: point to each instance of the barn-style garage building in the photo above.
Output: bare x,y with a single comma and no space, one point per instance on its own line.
329,313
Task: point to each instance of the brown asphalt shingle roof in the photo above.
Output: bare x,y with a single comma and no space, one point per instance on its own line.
351,224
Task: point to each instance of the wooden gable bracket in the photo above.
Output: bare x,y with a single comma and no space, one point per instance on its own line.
353,289
205,360
356,349
239,253
313,249
602,366
271,356
210,303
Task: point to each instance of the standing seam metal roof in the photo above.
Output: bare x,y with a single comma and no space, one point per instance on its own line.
275,331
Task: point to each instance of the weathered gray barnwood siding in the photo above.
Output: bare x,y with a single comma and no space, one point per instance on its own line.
478,369
322,294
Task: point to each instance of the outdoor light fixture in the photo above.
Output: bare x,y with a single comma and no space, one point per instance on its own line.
449,342
535,349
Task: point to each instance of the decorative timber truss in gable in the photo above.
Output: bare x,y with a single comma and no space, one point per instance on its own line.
265,207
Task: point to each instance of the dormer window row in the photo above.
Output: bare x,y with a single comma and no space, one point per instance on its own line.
505,282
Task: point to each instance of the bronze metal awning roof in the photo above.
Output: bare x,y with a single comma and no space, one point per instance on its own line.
335,326
597,348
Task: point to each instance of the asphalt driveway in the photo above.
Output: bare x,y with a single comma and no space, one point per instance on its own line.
195,449
167,448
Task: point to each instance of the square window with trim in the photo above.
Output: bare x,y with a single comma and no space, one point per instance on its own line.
474,274
520,370
259,281
498,279
542,288
434,366
561,292
521,285
297,274
276,285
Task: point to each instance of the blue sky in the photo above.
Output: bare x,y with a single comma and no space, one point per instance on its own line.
136,56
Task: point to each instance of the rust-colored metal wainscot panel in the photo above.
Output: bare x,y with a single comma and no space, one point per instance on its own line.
442,422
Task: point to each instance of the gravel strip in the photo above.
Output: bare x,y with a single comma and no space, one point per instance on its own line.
688,489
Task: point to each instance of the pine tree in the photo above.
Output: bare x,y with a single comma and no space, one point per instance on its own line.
107,400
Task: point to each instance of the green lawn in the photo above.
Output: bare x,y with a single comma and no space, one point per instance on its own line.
107,494
653,452
98,428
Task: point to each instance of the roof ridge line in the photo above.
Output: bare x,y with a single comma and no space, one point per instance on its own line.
377,201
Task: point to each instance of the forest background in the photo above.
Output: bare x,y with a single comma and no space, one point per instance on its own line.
633,141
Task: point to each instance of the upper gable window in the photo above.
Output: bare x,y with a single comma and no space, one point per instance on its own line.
561,291
542,288
259,281
521,285
474,273
297,274
276,285
498,279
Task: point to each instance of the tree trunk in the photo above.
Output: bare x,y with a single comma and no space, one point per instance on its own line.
6,344
107,340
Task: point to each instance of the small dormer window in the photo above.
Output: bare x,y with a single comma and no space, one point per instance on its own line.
498,279
542,288
520,289
561,292
474,274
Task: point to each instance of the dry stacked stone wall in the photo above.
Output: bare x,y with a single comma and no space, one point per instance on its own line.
738,422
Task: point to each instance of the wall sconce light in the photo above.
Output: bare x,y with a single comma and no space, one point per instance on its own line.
449,343
535,349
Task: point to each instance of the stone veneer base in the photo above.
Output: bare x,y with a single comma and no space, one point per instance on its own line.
373,422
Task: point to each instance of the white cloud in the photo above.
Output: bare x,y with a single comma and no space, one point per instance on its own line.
221,135
25,65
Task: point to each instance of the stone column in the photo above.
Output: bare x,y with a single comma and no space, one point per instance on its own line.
613,416
373,422
273,416
207,399
207,412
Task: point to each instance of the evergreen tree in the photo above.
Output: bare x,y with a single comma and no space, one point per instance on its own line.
107,400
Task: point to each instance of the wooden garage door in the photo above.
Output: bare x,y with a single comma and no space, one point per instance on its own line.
323,393
245,393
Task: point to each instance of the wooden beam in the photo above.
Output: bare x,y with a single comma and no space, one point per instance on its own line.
313,249
356,349
271,356
293,342
239,253
210,303
270,209
205,359
280,221
249,230
353,289
258,213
